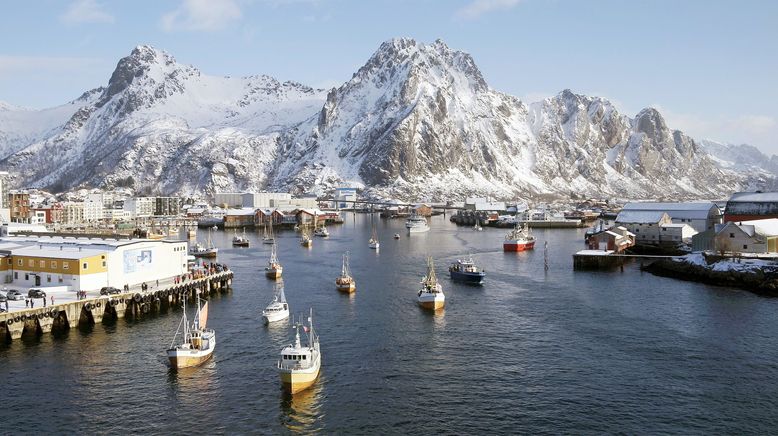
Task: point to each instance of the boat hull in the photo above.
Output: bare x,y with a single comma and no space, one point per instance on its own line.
375,246
432,304
273,273
294,382
518,246
349,288
469,278
209,254
240,244
418,229
273,317
187,358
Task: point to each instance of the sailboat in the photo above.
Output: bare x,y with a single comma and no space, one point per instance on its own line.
273,270
345,283
267,238
199,250
430,295
300,365
278,309
240,240
373,241
198,341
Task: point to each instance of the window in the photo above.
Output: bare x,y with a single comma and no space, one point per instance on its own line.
103,263
48,278
731,235
65,265
745,246
303,357
26,277
85,265
53,263
20,262
42,264
60,279
31,262
16,275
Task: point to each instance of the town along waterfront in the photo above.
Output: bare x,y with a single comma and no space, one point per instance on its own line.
529,351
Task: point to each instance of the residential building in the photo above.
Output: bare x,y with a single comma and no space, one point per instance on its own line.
93,208
616,239
167,206
644,224
19,205
140,207
73,212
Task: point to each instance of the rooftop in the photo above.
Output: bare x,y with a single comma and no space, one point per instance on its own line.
639,216
693,209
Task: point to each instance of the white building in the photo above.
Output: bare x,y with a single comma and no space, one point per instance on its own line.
295,203
644,224
89,264
345,197
701,215
676,233
93,209
139,207
258,200
73,212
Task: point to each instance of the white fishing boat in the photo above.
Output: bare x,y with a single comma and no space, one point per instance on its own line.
344,282
267,237
305,238
240,240
300,365
431,295
278,309
416,224
200,250
273,270
198,341
321,231
373,241
396,236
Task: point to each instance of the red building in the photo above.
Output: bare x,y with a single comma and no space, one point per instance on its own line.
747,206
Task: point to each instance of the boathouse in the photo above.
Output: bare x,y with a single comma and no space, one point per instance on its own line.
235,218
644,224
616,239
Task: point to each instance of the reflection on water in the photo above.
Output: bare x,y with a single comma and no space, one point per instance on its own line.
301,412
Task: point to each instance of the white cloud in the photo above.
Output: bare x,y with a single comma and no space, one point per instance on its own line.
757,130
476,8
201,15
86,11
13,65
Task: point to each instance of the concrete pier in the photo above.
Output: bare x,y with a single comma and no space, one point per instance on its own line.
134,304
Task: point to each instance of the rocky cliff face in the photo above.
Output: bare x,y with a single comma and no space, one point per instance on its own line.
416,121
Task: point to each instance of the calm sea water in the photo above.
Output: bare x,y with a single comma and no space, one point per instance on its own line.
532,351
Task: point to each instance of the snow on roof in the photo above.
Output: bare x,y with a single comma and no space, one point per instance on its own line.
675,225
692,209
766,227
243,211
754,197
639,216
745,228
57,252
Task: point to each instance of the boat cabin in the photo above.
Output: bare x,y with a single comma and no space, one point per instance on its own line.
291,356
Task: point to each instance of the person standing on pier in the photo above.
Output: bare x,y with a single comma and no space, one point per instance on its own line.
52,300
26,303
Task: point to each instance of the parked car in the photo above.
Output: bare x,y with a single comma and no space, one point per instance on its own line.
13,294
36,293
108,290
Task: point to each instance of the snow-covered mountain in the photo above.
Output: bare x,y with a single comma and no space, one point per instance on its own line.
417,120
163,127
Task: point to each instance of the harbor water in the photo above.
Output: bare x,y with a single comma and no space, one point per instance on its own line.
530,351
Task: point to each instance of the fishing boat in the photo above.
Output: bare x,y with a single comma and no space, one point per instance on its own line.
416,224
267,237
430,295
519,239
373,241
198,341
477,227
273,270
321,231
396,236
240,240
345,283
200,250
300,365
278,309
305,238
465,270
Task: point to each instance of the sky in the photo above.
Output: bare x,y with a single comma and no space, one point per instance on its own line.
710,67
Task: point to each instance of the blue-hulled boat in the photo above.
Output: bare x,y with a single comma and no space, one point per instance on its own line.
464,270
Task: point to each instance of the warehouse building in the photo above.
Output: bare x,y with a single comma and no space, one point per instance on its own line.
746,206
700,216
89,264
